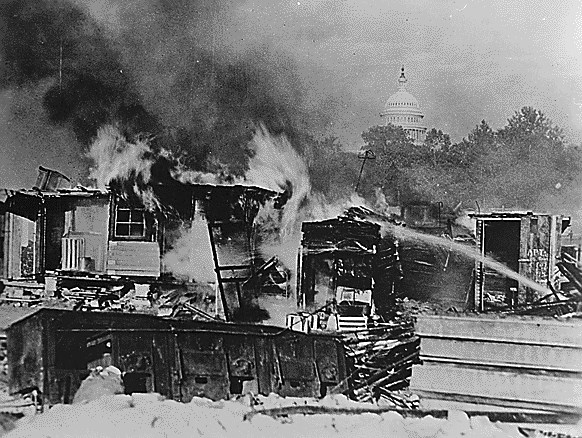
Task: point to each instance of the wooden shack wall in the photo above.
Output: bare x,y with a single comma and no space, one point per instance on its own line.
539,247
55,225
3,244
20,247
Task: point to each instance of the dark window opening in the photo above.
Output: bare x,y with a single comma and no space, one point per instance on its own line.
71,351
135,382
236,385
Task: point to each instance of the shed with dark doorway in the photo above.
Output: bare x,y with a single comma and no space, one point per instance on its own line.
525,242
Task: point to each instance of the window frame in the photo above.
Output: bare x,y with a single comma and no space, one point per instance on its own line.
131,210
148,221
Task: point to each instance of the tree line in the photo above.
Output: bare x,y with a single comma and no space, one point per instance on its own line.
526,164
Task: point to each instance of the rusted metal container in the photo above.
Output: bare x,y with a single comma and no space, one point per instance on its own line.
53,350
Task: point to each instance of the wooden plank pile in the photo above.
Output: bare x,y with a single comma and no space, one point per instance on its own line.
380,361
563,303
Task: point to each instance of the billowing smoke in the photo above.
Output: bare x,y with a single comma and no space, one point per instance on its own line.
139,85
190,257
58,41
161,71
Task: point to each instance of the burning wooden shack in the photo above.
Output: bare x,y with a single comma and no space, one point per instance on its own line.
56,237
52,351
345,264
347,273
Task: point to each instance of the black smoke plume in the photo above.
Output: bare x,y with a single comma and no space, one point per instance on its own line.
155,69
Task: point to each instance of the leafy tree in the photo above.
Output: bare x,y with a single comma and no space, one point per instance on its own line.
436,143
480,157
519,165
441,175
529,131
396,155
472,150
524,165
392,143
409,173
535,159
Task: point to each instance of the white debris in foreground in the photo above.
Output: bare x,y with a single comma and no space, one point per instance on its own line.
149,415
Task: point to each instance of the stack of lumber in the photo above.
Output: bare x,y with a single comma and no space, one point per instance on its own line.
380,361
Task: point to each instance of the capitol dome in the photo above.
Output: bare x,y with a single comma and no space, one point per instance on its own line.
402,109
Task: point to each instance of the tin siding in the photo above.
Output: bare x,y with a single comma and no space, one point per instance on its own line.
25,356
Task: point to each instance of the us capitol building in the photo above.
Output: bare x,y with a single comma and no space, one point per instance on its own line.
402,109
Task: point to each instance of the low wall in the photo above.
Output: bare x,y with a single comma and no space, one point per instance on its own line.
488,363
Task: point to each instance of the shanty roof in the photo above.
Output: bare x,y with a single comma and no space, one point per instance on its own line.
85,192
208,188
354,230
78,191
65,319
26,202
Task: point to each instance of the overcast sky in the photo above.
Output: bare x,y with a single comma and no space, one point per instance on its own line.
465,60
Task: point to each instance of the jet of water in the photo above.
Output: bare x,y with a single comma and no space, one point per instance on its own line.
407,234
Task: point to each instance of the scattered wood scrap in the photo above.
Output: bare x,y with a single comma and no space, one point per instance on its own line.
381,360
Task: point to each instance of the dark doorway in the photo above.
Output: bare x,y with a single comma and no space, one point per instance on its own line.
501,242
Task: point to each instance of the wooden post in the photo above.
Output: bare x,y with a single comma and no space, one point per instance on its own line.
524,257
479,267
217,270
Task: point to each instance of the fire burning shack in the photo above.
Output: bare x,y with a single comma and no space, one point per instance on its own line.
58,238
345,266
348,272
525,242
52,351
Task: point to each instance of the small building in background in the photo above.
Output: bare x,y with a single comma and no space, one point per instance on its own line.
528,243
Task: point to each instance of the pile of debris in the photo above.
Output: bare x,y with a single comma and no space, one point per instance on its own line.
564,303
381,359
